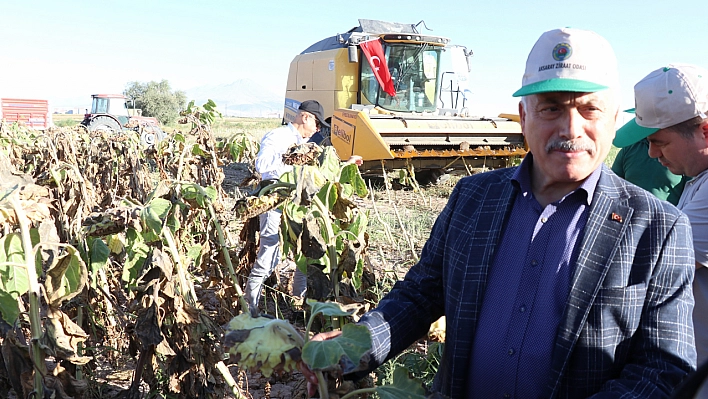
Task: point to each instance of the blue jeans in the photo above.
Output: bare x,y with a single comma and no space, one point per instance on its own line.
268,258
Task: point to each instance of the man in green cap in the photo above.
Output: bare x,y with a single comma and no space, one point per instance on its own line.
634,164
671,106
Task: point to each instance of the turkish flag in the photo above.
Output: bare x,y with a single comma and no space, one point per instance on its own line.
375,55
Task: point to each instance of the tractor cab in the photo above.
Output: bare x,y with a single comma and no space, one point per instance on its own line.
112,104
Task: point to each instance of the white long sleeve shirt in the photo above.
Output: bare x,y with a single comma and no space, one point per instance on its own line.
269,162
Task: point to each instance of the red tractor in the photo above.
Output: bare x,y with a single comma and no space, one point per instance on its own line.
109,112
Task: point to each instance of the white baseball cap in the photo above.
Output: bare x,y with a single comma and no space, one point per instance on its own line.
666,97
569,59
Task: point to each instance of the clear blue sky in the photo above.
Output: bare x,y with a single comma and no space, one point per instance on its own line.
72,49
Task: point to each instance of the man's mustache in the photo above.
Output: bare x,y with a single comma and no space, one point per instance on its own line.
570,145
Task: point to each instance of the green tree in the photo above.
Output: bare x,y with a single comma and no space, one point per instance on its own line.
156,99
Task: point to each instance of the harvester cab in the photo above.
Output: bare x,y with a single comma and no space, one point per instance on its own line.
415,120
110,113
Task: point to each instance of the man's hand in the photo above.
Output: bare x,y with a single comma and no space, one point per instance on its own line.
356,159
310,376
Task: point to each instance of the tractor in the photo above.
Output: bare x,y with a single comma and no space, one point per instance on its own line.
110,113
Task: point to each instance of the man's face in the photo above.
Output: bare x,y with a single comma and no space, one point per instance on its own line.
680,154
569,134
309,123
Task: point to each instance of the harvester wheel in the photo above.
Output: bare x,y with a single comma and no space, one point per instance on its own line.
104,123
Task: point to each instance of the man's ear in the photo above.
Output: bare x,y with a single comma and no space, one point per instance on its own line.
704,130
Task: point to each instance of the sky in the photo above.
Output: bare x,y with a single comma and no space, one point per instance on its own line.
67,50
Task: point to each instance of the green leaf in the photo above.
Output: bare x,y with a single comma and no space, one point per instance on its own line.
161,206
200,195
295,212
66,277
309,182
152,223
210,192
173,222
98,255
329,166
349,347
197,150
13,274
328,195
325,262
36,238
403,387
358,225
358,272
331,309
14,281
350,175
136,253
194,253
301,263
347,190
190,191
9,307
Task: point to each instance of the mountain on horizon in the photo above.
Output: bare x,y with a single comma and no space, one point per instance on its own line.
243,97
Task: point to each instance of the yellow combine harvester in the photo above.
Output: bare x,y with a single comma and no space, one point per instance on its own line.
423,125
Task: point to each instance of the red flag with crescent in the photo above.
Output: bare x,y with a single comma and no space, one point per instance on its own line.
377,60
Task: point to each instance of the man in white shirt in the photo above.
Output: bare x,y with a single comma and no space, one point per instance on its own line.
671,107
269,163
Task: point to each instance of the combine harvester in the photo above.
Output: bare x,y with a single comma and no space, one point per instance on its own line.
389,101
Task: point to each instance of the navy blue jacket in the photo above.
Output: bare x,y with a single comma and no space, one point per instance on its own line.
627,329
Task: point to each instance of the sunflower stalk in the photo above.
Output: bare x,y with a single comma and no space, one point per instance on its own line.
229,379
186,288
331,240
227,257
34,295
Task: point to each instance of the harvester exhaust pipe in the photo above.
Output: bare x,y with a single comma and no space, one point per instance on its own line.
353,54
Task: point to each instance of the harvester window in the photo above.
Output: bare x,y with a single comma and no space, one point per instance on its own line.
414,70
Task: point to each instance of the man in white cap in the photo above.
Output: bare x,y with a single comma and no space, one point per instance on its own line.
558,278
671,104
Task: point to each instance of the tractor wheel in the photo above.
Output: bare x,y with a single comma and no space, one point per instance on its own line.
151,135
104,123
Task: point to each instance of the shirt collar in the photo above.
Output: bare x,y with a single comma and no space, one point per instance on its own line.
522,180
298,137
